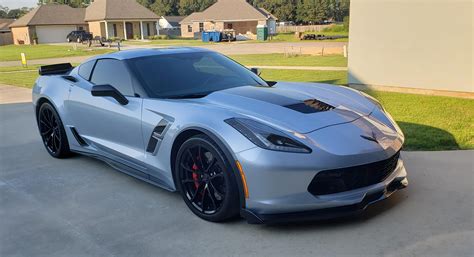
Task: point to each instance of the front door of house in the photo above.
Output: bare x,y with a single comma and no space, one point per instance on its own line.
129,28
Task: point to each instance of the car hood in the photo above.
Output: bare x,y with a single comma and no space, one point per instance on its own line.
299,107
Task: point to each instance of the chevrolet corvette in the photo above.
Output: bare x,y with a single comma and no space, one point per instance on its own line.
231,143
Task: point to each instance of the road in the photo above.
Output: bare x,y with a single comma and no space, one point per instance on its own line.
82,207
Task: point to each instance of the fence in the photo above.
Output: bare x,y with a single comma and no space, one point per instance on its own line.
302,28
6,38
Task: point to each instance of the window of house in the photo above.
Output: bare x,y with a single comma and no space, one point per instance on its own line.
115,29
148,29
190,28
229,26
113,72
201,26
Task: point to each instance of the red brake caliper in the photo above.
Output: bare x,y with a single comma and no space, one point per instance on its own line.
195,176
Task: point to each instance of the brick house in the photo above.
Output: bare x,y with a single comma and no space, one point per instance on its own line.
228,14
51,23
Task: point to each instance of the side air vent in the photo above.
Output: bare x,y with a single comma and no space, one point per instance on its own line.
310,106
78,138
157,135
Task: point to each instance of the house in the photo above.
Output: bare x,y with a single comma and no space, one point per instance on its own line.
5,32
170,22
51,23
48,24
228,14
386,51
124,19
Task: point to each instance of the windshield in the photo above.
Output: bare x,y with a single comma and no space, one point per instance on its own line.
191,74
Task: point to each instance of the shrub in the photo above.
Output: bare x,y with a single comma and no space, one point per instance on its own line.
346,23
158,37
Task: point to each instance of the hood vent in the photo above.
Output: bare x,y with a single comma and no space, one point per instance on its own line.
310,106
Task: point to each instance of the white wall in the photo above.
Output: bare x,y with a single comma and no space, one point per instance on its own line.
425,44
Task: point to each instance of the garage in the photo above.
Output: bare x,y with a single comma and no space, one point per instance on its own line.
53,34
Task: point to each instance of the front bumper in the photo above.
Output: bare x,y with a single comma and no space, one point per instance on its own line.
278,189
329,213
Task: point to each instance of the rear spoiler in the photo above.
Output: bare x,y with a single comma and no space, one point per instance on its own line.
55,69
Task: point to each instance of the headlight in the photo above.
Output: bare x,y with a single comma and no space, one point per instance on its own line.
267,137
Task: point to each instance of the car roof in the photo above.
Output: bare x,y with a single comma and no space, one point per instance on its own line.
143,52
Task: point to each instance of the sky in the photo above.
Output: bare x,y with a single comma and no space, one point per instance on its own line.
12,4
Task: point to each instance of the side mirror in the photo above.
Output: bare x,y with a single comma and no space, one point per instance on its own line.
108,90
256,71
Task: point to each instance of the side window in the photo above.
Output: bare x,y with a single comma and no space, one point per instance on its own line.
114,73
190,28
85,69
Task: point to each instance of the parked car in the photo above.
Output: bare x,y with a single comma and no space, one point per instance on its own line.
195,121
79,36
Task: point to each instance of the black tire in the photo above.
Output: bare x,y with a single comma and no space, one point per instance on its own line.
208,186
68,40
52,131
78,40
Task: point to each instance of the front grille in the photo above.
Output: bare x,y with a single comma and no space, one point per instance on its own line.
350,178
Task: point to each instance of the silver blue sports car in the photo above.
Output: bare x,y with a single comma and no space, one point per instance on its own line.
194,121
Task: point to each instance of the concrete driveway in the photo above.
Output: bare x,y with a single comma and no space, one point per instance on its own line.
82,207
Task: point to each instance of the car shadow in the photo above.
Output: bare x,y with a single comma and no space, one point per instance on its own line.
422,137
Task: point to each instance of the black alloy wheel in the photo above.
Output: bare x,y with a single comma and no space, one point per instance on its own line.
206,181
52,131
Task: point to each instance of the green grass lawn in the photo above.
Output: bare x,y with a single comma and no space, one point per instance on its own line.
429,122
19,76
12,52
331,77
282,60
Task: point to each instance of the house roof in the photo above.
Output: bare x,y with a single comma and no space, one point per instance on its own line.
4,24
173,20
229,10
118,10
51,14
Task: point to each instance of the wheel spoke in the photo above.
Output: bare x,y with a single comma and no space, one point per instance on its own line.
211,165
215,190
196,193
45,124
211,196
191,154
200,157
203,197
190,170
49,142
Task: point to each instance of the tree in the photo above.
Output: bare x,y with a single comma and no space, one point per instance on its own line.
72,3
186,7
338,9
312,11
17,13
165,7
146,3
284,10
3,11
